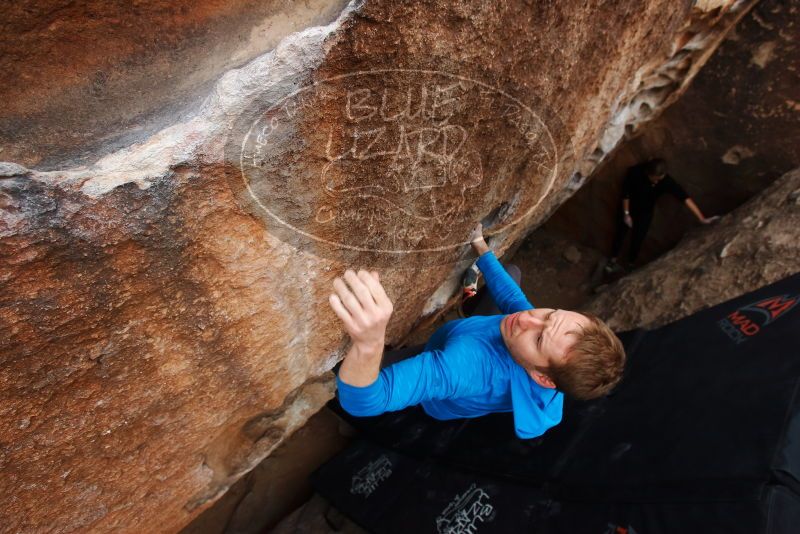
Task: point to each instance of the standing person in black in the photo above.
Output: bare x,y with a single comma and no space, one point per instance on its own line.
643,184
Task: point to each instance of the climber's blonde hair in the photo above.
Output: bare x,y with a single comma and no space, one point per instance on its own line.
593,365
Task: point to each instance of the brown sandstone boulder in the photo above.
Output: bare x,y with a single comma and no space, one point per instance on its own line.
163,319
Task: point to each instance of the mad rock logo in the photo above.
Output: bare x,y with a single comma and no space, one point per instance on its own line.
748,321
369,478
465,513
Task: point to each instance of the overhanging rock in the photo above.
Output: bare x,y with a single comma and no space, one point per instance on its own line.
164,310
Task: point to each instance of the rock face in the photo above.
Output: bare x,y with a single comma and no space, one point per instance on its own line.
164,321
753,246
95,76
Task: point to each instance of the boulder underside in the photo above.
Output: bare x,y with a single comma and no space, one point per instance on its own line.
163,301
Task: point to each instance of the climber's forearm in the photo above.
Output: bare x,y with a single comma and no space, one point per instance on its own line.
477,241
361,365
364,308
694,209
480,247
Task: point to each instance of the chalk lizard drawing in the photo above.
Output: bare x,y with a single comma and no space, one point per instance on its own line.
418,158
423,137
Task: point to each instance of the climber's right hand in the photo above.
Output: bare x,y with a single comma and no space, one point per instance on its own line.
363,307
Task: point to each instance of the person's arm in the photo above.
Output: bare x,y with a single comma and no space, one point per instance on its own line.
430,375
505,292
697,213
675,189
364,309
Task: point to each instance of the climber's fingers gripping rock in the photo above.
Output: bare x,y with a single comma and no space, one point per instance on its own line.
476,234
363,306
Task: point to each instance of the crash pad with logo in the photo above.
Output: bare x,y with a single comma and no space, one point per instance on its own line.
702,435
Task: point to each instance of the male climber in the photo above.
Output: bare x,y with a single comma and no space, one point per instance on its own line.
522,361
643,184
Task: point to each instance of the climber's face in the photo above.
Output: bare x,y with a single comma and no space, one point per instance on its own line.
541,337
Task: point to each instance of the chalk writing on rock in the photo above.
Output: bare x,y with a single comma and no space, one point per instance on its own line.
394,161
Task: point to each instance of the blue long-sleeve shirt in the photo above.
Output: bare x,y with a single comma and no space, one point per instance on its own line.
465,371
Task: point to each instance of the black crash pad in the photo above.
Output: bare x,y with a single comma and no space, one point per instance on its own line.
702,435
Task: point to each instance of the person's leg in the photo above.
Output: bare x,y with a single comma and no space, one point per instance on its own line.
620,232
640,227
482,303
